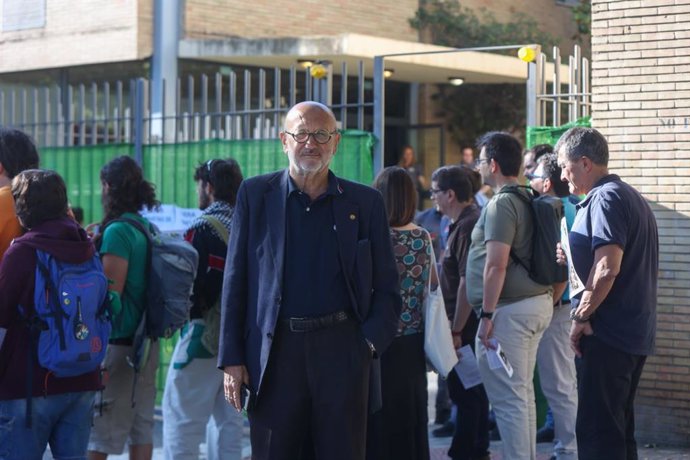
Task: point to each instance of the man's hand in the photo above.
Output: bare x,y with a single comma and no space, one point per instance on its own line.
457,342
561,259
233,379
577,330
485,332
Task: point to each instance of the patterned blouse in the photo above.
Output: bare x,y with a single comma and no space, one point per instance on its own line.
412,249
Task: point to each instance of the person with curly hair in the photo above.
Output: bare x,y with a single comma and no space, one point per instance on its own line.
123,250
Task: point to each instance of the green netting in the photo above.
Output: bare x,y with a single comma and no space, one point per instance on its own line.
550,134
171,166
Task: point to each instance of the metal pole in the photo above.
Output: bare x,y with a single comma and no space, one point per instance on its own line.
139,121
533,72
164,64
379,113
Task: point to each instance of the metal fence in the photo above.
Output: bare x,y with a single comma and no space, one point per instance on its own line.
558,103
249,104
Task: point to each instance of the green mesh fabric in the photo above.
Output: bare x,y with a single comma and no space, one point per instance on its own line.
550,134
171,166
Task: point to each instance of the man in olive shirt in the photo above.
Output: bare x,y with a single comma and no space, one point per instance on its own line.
513,309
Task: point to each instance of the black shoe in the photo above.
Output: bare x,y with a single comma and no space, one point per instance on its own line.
545,434
444,431
442,416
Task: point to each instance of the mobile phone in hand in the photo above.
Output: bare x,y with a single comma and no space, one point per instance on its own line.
247,398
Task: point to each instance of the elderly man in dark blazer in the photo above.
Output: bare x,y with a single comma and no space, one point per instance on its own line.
310,298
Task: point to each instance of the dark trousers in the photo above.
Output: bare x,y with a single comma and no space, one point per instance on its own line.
314,396
607,380
471,437
443,403
399,431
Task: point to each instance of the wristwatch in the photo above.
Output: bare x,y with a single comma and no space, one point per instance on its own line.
486,314
578,319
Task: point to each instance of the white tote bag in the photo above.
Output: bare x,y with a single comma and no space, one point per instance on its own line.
438,340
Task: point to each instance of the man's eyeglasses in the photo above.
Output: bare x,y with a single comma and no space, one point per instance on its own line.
434,191
321,136
535,176
479,162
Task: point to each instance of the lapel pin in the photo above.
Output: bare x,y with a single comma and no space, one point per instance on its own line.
352,217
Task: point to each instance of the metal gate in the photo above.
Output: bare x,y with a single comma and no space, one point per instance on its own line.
235,105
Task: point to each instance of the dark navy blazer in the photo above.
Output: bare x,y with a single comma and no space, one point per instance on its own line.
253,280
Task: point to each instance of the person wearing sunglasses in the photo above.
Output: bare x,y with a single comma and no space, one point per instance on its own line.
310,298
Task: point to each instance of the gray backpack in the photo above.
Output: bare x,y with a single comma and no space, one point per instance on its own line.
172,264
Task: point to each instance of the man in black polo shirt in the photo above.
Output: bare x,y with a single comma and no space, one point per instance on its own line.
310,297
453,189
614,248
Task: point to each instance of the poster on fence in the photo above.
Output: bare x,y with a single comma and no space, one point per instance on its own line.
172,219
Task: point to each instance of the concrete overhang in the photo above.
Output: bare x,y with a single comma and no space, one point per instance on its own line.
474,67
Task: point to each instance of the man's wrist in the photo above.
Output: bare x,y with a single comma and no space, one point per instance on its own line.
578,318
483,314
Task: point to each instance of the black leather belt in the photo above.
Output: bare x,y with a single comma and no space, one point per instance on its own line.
315,323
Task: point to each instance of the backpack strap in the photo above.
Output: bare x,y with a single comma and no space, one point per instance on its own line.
56,307
218,226
515,190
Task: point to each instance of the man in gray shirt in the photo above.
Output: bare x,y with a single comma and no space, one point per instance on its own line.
513,309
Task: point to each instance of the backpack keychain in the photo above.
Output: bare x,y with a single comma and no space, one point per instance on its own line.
81,330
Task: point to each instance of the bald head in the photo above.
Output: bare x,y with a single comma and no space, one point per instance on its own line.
305,111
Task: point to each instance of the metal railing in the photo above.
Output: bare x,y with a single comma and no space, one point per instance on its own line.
557,103
250,104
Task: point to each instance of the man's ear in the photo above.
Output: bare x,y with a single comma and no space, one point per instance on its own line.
208,188
493,166
546,185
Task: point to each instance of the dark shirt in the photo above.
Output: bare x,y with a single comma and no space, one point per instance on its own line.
313,278
68,242
454,261
212,250
615,213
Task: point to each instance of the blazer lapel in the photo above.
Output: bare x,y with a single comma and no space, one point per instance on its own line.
275,202
346,216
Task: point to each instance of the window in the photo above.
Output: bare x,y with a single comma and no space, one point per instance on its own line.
23,14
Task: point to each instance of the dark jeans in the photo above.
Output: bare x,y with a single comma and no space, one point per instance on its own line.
607,380
313,399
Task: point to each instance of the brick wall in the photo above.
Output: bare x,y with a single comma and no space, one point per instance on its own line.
76,32
641,95
282,18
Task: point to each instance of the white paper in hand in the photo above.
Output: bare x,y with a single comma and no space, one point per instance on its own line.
467,368
497,359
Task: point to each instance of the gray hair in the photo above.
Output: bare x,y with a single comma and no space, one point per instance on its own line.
580,142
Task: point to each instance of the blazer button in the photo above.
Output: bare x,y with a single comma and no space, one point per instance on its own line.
269,336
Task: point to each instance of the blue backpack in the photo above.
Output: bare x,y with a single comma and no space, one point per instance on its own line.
72,315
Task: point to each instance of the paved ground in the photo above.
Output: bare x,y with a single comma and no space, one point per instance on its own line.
438,446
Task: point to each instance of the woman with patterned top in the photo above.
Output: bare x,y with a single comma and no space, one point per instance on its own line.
399,430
